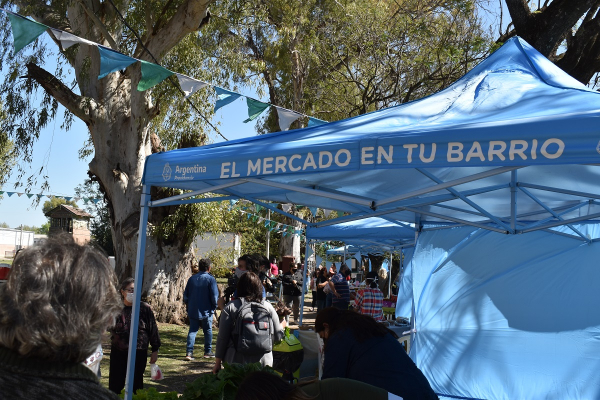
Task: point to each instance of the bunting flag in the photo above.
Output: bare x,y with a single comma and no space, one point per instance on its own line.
385,264
255,108
20,194
67,40
189,85
326,212
328,265
10,193
24,30
152,75
314,211
315,122
286,207
286,117
225,97
358,256
28,195
318,261
111,61
39,196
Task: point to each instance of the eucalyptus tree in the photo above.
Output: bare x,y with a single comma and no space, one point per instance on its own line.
565,31
124,124
336,59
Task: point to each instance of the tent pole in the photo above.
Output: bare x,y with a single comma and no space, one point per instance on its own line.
390,277
513,201
306,256
268,233
139,273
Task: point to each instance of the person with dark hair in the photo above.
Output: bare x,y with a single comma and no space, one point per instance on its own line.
292,290
320,283
200,296
357,347
340,289
249,290
369,301
56,304
262,385
264,266
147,336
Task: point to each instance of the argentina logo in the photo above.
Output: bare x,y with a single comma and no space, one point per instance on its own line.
166,172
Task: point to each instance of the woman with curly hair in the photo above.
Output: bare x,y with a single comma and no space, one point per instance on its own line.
357,347
58,301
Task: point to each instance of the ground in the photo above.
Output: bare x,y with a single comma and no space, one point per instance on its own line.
171,358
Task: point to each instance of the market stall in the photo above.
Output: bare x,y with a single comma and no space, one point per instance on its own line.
502,157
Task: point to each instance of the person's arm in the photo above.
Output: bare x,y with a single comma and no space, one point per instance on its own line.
214,293
153,335
186,295
337,354
278,327
332,286
224,336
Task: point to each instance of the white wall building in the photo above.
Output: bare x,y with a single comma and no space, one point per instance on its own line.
204,245
12,240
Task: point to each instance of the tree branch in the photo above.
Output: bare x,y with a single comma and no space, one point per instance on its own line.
80,106
187,19
99,25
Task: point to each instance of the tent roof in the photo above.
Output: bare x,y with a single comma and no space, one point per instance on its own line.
368,233
515,139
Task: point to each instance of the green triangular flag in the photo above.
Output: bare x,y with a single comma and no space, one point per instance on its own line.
1,192
255,108
152,75
24,30
29,194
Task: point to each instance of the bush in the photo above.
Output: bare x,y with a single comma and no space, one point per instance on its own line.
221,272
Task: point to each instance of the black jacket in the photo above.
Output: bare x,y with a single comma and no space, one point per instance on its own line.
289,288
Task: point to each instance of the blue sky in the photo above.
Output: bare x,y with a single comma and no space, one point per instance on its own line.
57,150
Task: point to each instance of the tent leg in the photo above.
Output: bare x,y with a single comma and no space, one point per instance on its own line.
390,277
307,255
139,274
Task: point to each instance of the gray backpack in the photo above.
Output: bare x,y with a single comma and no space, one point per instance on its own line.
253,329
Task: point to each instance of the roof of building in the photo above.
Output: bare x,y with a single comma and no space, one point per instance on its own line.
72,210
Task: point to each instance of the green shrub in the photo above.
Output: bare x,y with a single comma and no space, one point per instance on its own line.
151,394
223,385
221,272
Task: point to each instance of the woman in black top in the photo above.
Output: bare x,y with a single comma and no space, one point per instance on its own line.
147,334
320,283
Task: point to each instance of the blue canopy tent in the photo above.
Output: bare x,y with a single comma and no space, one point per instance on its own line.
370,235
510,148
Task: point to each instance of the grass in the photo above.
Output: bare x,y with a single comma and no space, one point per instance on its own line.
171,359
6,261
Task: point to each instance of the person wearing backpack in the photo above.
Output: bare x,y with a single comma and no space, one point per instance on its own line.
249,326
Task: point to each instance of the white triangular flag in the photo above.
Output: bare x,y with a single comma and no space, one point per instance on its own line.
189,85
67,39
286,207
286,117
326,212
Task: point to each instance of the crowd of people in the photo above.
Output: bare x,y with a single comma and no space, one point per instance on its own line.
61,298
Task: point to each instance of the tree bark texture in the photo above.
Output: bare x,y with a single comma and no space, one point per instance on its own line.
573,23
118,116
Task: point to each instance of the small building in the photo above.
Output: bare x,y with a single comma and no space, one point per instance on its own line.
12,240
71,220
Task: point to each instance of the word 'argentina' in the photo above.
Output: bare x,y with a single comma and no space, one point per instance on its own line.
495,150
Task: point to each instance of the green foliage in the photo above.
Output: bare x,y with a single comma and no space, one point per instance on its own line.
4,225
221,258
55,202
223,385
221,272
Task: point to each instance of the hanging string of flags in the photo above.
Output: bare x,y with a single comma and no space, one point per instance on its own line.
25,31
86,200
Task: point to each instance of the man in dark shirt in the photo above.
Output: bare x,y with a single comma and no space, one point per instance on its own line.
292,290
340,289
200,296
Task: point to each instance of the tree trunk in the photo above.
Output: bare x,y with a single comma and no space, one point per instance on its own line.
289,245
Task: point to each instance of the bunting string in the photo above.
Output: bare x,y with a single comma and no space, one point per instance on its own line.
86,200
25,31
